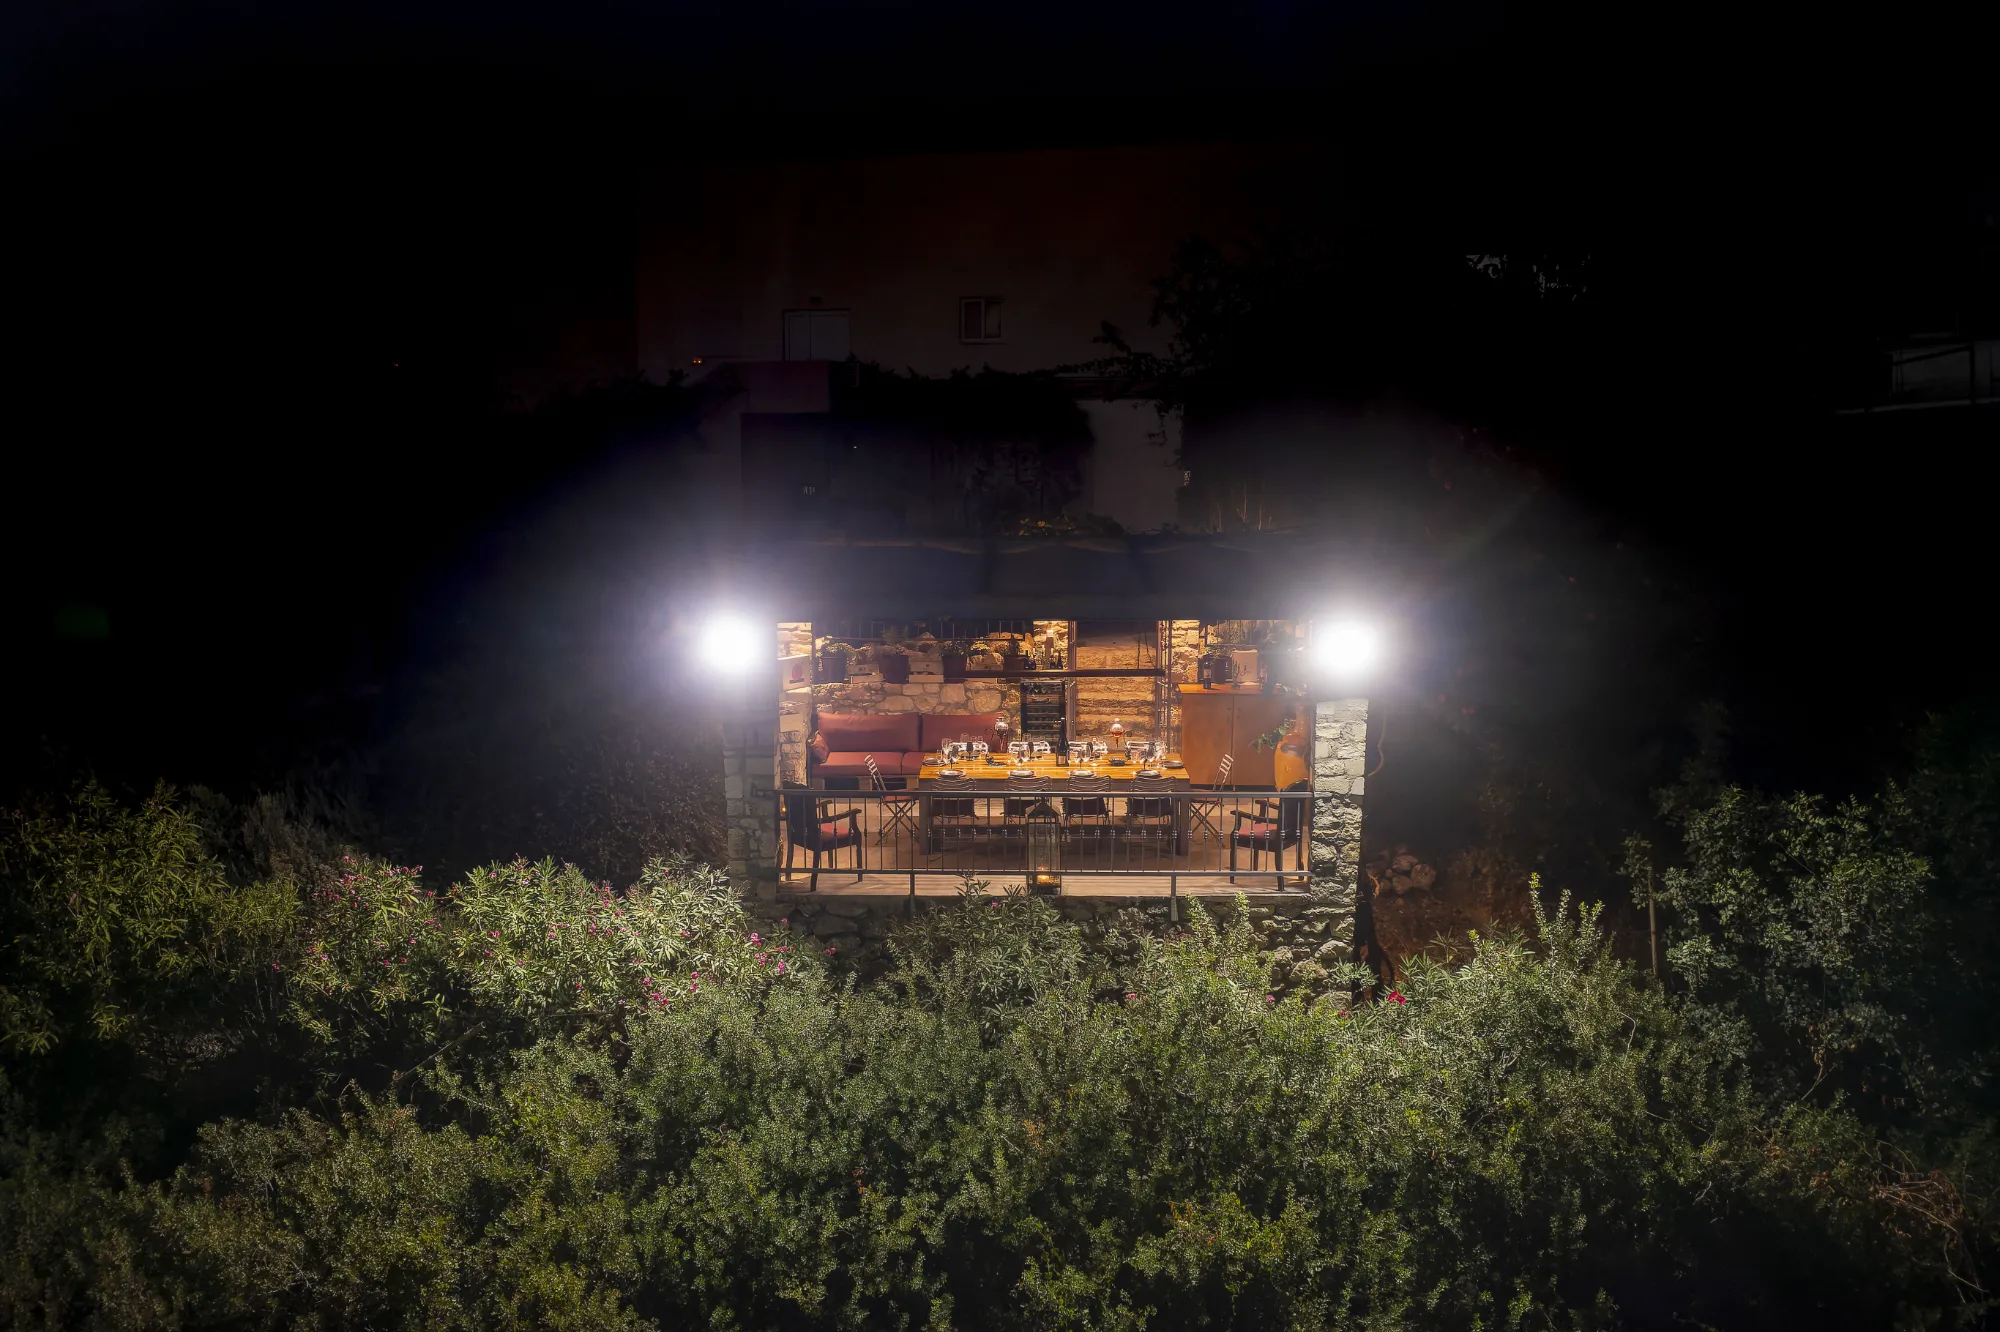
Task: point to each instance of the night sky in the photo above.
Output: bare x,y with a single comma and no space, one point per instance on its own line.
270,279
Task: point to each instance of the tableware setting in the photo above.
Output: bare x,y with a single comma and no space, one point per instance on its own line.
1021,772
1173,763
1149,772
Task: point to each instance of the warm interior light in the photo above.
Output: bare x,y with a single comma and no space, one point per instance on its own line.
731,643
1345,650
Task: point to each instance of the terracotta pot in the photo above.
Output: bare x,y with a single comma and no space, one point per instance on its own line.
832,668
895,668
1289,764
1013,663
954,667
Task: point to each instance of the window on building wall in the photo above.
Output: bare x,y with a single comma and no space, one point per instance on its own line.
979,319
817,335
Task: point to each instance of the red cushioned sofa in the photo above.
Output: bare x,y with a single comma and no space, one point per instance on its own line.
898,740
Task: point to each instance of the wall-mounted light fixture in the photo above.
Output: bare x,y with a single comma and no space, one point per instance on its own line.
1345,652
733,644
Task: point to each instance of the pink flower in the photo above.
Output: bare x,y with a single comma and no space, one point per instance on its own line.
1270,998
781,968
831,951
785,921
1131,997
755,938
1396,997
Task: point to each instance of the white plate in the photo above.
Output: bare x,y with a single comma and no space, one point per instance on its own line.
1149,772
951,772
1022,772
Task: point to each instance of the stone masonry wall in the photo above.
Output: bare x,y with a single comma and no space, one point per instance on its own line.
1184,654
865,692
869,695
1301,938
1340,762
749,774
1096,701
1130,699
794,723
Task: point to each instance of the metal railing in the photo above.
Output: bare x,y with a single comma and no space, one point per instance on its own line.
1259,839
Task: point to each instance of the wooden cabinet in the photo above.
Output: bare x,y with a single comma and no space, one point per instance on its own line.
1215,722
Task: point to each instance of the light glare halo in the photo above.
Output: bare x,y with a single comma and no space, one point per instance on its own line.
728,643
1346,649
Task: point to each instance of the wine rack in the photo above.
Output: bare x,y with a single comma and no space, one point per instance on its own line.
1042,710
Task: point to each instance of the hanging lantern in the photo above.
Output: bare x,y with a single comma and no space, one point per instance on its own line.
1044,850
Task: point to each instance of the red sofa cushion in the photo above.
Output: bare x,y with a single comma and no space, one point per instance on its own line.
849,732
854,763
939,727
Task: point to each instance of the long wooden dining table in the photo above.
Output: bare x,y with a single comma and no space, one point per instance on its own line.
1052,776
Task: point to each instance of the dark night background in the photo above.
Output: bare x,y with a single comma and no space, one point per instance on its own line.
278,290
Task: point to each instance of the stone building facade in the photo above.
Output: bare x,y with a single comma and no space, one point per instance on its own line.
1095,702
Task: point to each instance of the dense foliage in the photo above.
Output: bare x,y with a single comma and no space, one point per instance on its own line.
324,1094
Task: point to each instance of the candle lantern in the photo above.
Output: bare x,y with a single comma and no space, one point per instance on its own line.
1044,850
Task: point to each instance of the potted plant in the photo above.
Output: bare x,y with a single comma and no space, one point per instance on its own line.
924,660
1012,660
952,655
832,665
894,664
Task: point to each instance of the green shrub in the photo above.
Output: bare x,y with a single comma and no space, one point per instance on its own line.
120,925
536,1101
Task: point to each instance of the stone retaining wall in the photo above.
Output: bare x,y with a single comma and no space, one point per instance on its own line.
1302,938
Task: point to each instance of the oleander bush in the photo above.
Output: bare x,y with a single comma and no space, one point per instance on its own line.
531,1100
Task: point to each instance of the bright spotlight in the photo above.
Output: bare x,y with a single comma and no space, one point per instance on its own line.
1345,650
732,644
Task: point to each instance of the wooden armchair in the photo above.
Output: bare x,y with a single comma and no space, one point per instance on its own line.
807,829
1275,826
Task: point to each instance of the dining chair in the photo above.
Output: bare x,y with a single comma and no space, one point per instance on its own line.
954,816
899,808
1016,808
1275,827
1086,807
806,829
1206,810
